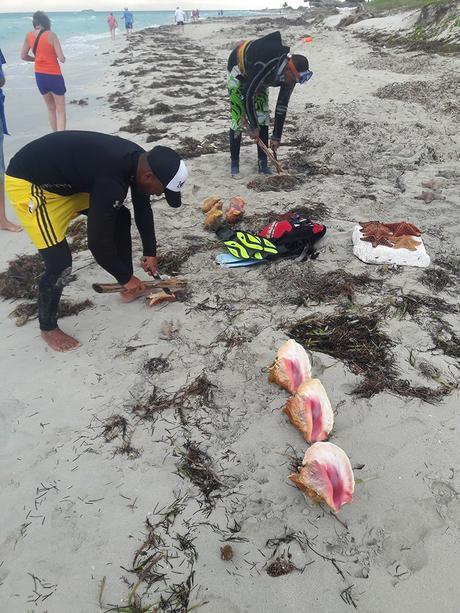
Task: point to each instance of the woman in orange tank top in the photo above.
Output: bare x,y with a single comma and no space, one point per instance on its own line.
46,54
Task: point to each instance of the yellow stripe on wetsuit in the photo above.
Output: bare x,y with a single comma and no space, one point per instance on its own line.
240,56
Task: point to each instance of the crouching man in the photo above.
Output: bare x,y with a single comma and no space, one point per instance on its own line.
54,179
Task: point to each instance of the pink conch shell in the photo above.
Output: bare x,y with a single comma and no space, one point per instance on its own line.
291,368
326,475
310,411
237,203
235,209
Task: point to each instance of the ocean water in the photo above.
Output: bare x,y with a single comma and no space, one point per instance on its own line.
80,31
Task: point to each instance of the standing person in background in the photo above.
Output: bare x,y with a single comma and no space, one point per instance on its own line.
253,67
179,18
113,25
5,224
47,53
129,21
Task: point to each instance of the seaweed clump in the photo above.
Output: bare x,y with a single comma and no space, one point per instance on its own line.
197,466
275,183
20,279
445,274
77,232
358,341
303,285
190,147
29,310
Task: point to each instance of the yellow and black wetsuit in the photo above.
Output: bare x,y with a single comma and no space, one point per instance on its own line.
256,65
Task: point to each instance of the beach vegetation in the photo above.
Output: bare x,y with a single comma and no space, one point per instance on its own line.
357,339
402,4
275,183
20,282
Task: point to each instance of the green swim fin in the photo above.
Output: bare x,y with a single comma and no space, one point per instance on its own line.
247,246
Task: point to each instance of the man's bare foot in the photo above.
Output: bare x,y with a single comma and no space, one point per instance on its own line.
9,226
59,340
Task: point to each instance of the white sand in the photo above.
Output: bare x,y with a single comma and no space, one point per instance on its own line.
73,512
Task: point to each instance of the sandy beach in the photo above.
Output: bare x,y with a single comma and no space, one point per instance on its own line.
127,465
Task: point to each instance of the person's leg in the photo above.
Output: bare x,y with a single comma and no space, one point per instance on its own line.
236,117
59,102
58,266
235,146
5,223
51,106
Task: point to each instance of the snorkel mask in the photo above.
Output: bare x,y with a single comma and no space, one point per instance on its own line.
301,77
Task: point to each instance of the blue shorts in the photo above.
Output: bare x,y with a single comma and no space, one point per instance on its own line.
129,25
50,83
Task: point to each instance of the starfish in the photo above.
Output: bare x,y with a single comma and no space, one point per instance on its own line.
403,228
381,240
426,196
377,234
406,242
365,224
435,183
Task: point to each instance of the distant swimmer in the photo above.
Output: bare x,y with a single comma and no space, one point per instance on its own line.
129,21
54,179
113,25
253,67
179,18
5,223
46,54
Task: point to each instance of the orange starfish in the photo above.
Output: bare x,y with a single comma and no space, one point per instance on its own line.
406,242
377,234
365,224
382,240
403,228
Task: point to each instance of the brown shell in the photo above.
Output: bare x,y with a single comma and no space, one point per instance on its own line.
232,215
210,202
213,219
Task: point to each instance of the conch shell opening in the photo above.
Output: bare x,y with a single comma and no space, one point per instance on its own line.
291,368
310,411
326,475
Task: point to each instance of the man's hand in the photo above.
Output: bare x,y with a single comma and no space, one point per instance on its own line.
149,264
132,290
274,144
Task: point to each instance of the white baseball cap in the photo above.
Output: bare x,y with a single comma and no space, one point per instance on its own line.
171,170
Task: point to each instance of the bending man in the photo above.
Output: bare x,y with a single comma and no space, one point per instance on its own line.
253,66
54,179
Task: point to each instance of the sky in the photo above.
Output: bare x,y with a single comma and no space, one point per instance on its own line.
146,5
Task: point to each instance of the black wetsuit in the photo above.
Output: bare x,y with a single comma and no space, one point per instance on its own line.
103,166
263,67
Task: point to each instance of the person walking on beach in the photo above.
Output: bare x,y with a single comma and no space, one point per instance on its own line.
54,179
5,223
179,18
129,21
46,54
113,25
253,67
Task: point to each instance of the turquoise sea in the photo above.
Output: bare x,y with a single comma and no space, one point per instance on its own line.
80,31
